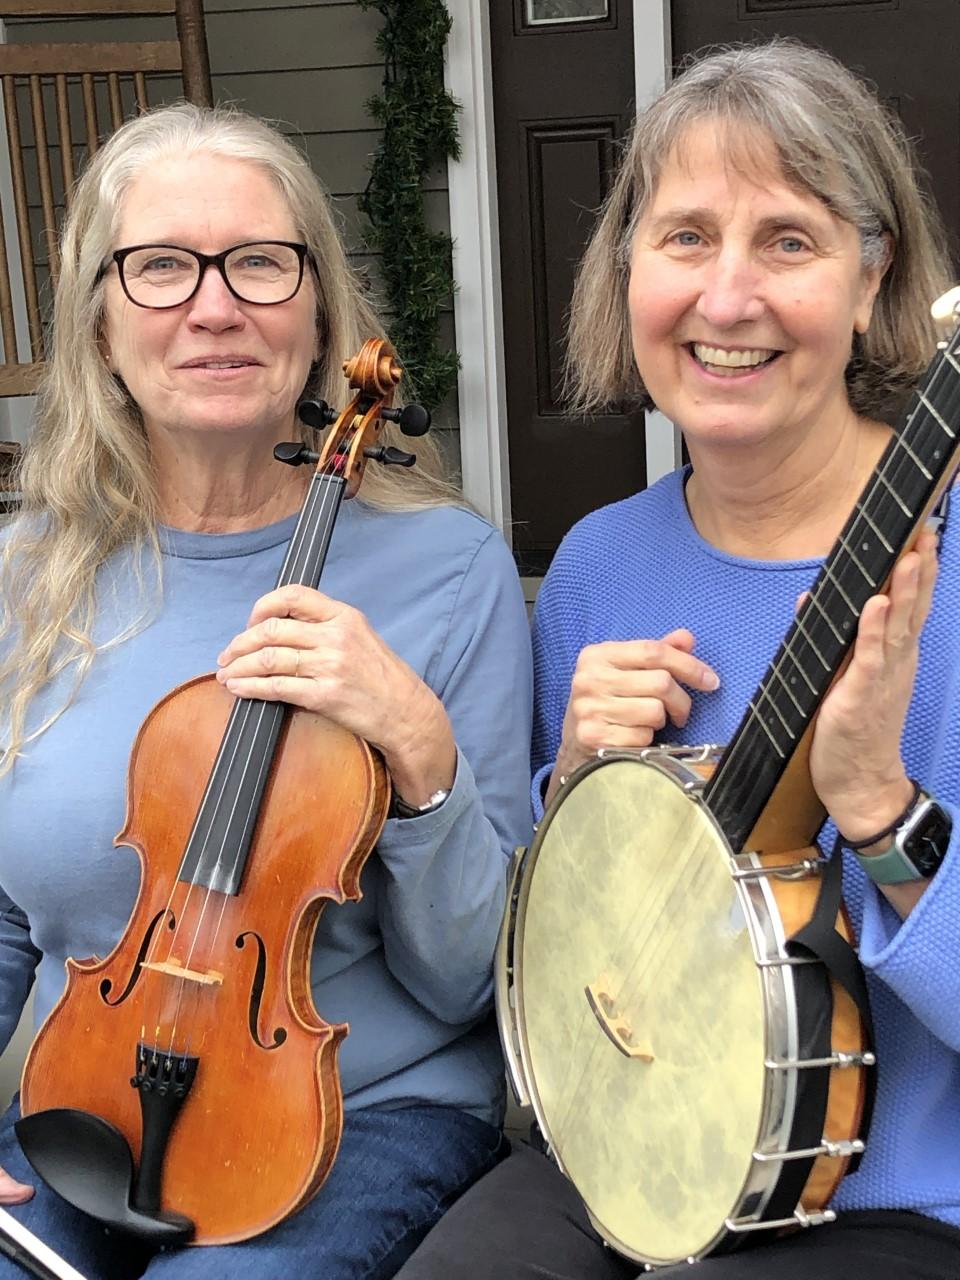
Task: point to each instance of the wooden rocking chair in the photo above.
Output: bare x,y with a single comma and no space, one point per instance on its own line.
46,88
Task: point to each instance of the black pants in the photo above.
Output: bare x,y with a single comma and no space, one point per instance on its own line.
524,1221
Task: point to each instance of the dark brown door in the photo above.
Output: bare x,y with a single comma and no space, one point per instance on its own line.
908,48
563,97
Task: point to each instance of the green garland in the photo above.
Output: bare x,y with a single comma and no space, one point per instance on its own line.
419,125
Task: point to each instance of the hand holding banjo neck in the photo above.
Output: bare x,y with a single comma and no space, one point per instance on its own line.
760,791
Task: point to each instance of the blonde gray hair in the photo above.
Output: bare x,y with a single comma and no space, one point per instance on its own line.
834,140
86,478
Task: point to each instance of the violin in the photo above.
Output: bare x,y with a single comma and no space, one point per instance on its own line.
185,1088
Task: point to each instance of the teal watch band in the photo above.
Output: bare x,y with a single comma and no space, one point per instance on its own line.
921,837
890,867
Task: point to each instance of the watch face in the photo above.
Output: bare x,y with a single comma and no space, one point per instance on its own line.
926,845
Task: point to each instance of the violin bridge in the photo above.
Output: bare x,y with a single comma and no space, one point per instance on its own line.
173,970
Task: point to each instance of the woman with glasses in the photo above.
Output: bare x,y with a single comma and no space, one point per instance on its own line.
203,291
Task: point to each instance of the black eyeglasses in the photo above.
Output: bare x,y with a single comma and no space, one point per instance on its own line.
159,276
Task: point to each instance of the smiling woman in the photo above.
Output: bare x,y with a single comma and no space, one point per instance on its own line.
203,292
194,354
763,273
745,297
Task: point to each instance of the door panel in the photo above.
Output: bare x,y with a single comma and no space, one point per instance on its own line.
563,97
908,48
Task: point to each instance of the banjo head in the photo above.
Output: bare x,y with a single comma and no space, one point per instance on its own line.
640,1009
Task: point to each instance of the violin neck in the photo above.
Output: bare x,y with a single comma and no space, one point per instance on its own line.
308,548
219,843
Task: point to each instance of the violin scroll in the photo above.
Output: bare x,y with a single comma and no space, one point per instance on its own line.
374,373
374,370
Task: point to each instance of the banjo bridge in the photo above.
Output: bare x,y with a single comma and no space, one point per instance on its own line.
613,1024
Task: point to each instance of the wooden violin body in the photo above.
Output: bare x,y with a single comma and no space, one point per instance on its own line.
219,977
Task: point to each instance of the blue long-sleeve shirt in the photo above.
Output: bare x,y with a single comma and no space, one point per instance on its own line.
409,966
639,569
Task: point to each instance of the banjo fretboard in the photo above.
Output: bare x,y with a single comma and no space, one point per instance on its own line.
914,468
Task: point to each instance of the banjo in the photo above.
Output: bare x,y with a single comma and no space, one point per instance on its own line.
677,988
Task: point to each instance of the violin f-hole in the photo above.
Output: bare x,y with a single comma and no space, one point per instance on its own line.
107,984
256,994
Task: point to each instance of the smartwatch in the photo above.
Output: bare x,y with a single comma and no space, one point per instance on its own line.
920,842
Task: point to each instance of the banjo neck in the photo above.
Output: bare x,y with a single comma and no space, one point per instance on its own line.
760,792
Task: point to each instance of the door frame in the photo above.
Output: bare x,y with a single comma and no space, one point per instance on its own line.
474,227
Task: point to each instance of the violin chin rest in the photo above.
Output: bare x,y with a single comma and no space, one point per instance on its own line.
88,1162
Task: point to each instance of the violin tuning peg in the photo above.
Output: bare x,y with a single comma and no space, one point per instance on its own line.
412,419
390,457
294,453
316,414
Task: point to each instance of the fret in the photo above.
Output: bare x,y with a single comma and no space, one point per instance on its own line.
803,631
948,356
799,665
832,578
937,417
823,613
856,560
866,515
764,692
766,728
902,443
785,685
893,493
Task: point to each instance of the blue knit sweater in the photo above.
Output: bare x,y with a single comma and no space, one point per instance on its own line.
639,569
409,966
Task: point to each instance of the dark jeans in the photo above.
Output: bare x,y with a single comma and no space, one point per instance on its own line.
524,1221
395,1174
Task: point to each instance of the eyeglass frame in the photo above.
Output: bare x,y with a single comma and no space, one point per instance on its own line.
206,260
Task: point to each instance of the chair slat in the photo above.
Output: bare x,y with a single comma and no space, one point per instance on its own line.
46,180
8,327
116,102
65,133
82,8
140,89
20,380
90,114
76,59
23,216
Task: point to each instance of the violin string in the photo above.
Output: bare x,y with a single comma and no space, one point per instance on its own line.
320,517
296,572
316,526
169,911
251,735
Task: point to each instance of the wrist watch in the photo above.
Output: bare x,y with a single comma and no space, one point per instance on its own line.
400,809
919,845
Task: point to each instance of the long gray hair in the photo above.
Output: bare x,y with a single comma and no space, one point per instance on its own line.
87,481
834,140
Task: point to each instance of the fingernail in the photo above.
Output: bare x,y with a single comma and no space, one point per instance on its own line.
222,659
711,681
